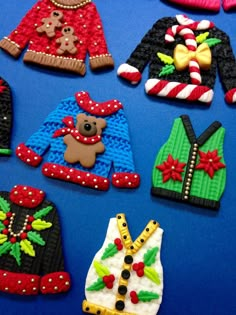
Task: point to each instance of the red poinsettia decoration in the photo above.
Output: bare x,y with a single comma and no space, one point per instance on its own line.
171,169
210,162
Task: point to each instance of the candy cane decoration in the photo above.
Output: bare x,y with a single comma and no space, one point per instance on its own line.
186,31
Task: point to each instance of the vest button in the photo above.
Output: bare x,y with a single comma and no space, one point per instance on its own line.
122,290
125,274
120,305
128,259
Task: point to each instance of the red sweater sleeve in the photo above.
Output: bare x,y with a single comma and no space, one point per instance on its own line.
97,47
19,38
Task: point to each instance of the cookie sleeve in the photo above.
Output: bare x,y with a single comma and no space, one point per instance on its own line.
20,36
124,175
35,147
97,46
227,66
131,70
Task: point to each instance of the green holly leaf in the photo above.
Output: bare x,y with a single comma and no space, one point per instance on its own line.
166,70
27,248
168,60
3,238
201,37
5,248
36,238
110,251
150,257
43,212
2,226
151,274
101,269
2,215
15,252
146,296
212,41
4,205
39,225
96,286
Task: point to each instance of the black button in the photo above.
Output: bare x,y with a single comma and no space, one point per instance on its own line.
98,312
132,247
119,217
128,259
120,305
125,237
124,224
125,274
87,309
122,290
154,222
147,229
141,240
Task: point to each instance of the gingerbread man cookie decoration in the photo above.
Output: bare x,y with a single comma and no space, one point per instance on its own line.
67,41
84,141
51,23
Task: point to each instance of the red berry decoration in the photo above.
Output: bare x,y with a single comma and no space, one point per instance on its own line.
139,268
12,239
6,222
108,280
5,231
23,236
28,227
31,218
134,297
118,244
9,214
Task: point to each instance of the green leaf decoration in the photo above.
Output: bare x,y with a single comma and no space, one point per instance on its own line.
200,38
151,274
2,216
40,225
2,226
110,251
146,296
5,248
150,257
166,70
27,248
15,252
96,286
101,269
168,60
212,41
4,205
43,212
36,238
3,238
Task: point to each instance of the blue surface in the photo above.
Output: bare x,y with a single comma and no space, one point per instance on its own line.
199,247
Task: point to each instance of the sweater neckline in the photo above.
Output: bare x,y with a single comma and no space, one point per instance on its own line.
97,108
26,196
205,134
131,246
70,4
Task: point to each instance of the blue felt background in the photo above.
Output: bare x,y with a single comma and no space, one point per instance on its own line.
199,251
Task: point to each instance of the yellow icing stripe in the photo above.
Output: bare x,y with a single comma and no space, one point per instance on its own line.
92,308
124,231
144,236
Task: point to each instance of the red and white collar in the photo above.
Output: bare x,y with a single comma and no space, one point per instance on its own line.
95,108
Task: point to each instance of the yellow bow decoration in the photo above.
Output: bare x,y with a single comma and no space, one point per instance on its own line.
182,56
